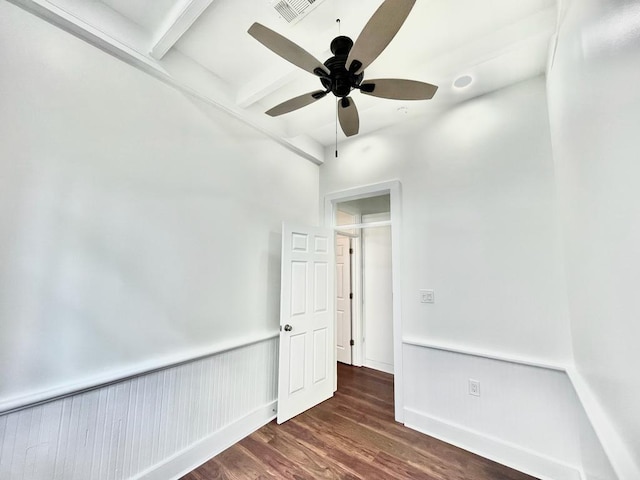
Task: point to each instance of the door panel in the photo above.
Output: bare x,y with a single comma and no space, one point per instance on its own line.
321,282
306,376
298,288
297,370
321,348
343,301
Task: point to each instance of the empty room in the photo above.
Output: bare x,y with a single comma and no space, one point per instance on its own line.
294,239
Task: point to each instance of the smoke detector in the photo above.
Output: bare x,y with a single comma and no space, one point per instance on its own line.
292,11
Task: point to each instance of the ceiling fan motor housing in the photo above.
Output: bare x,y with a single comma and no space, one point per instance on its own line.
341,81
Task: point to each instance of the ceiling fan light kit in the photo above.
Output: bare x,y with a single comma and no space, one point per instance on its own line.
344,72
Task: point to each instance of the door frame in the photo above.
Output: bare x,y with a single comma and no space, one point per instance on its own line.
394,189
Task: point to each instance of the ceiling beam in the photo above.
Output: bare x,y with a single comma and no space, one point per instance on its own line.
264,85
177,23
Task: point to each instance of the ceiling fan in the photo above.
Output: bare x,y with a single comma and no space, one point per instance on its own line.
344,72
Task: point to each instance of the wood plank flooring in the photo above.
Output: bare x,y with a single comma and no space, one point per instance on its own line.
350,436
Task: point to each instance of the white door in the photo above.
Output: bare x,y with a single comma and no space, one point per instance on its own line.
307,363
343,299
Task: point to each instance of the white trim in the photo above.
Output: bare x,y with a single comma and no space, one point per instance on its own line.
365,191
505,453
484,354
358,304
195,455
381,366
614,446
346,234
31,400
382,223
394,189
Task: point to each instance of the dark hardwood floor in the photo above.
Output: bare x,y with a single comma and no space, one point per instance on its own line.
350,436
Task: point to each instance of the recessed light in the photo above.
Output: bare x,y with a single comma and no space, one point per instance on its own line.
463,81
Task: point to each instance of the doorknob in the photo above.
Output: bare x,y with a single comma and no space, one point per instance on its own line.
288,328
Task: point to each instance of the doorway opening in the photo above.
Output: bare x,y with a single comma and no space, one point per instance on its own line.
367,222
364,310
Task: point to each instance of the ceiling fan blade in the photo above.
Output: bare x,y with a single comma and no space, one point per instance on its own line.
296,103
378,33
348,115
398,89
287,49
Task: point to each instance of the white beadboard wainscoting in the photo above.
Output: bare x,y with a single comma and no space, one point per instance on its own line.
158,425
527,416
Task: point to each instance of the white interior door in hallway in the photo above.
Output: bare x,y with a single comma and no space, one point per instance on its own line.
344,297
377,295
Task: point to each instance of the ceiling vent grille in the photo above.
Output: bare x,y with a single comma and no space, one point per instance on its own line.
292,11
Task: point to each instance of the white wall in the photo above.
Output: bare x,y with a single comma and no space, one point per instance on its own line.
594,103
137,225
377,298
479,222
526,417
480,227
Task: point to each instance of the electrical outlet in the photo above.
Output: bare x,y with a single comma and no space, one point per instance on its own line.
427,296
474,388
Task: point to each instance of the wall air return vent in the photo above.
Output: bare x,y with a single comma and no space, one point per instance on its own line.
292,11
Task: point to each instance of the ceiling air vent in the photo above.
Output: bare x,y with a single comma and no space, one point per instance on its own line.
292,11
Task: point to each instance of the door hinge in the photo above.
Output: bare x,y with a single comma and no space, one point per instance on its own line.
352,343
351,251
351,296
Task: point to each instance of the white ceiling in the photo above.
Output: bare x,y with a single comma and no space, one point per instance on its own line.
497,42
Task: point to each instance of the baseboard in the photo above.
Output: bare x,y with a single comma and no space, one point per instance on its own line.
618,452
505,453
195,455
380,366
